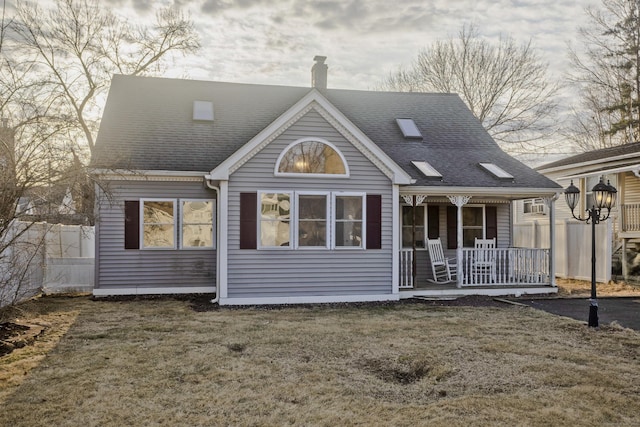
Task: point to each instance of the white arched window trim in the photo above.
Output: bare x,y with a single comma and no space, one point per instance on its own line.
312,175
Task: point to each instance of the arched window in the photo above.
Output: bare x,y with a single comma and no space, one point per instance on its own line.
313,157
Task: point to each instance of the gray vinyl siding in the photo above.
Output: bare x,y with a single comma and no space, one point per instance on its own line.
504,225
138,268
308,272
631,189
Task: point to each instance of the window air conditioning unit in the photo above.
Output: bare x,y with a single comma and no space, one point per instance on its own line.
538,208
535,206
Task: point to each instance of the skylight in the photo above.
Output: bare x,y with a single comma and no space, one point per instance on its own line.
426,169
497,171
203,110
409,128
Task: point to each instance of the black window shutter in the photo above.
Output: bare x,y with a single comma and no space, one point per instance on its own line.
452,227
374,221
491,217
433,220
248,220
132,224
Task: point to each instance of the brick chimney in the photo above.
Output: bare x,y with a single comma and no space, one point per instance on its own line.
319,73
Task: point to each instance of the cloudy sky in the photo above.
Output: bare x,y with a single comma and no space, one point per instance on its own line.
274,41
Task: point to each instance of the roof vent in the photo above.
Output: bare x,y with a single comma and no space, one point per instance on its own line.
319,73
409,128
203,110
496,171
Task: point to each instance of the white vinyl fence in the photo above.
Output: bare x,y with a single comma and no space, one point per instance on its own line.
572,246
52,258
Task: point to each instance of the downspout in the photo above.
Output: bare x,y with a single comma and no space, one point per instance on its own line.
217,190
551,203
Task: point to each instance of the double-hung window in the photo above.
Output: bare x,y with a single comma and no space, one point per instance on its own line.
158,224
197,223
275,220
313,213
472,225
308,220
409,231
169,224
348,220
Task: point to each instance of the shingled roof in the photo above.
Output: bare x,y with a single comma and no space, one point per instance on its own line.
595,155
147,125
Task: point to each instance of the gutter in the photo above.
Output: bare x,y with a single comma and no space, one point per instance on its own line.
635,169
209,184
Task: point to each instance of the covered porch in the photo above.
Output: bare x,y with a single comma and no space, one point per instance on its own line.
500,269
516,271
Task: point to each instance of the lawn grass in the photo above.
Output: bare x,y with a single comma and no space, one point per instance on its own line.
581,288
158,362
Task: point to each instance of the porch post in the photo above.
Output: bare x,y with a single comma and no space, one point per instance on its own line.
396,241
551,204
623,259
459,201
414,201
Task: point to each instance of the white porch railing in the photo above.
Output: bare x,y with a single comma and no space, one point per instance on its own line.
406,269
487,267
505,266
630,216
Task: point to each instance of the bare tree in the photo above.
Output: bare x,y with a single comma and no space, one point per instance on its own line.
504,84
607,75
32,161
55,68
77,46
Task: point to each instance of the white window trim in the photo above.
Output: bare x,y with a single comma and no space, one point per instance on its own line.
292,210
175,231
363,243
294,220
484,219
425,226
328,218
311,175
213,225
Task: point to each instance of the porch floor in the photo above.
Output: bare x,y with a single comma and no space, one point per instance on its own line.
451,290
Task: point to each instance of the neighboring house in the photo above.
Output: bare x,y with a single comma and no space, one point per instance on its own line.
620,166
276,194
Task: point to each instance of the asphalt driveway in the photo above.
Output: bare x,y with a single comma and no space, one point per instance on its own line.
624,310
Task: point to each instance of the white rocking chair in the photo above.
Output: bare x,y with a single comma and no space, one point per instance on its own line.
484,263
444,269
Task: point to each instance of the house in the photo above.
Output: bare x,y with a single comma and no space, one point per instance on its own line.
277,194
620,166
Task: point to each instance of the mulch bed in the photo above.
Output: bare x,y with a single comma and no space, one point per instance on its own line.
203,303
15,335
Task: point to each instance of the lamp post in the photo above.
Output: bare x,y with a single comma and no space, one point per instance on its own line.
604,197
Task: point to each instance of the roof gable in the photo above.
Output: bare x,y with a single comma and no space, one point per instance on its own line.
313,100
